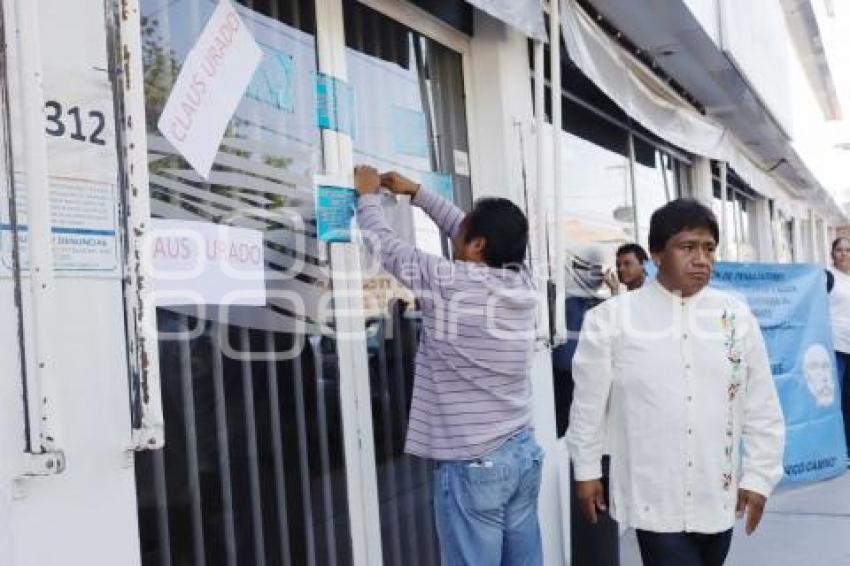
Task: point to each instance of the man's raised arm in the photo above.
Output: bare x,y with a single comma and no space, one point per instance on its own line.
444,213
412,267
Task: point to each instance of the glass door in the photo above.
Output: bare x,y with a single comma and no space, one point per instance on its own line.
253,469
409,117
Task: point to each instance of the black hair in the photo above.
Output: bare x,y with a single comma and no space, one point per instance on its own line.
676,216
632,248
837,241
504,228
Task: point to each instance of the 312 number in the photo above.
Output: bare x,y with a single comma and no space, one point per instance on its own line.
56,127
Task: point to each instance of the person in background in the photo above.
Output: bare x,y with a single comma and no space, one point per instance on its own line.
583,292
471,407
674,380
591,544
839,308
629,269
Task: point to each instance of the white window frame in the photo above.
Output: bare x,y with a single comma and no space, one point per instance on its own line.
355,394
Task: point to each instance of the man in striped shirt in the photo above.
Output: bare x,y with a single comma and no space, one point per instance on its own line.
471,408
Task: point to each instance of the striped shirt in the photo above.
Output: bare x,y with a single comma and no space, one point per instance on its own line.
471,389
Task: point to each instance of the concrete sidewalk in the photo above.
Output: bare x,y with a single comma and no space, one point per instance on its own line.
802,526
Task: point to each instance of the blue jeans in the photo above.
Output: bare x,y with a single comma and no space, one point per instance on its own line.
486,509
843,366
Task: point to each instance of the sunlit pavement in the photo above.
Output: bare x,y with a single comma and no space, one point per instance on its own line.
803,526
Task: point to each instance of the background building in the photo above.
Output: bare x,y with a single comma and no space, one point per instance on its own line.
298,459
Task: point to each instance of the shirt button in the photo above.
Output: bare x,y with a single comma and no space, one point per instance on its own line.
689,494
690,431
685,335
690,464
690,398
687,366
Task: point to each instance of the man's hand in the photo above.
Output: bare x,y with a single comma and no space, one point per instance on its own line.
366,179
398,184
753,504
612,281
591,498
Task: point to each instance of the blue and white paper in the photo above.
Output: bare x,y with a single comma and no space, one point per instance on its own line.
335,209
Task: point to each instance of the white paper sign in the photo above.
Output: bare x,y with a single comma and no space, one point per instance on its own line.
203,263
212,80
461,162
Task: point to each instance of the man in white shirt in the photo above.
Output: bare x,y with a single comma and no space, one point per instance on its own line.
675,376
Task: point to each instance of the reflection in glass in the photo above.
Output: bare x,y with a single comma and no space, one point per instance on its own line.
734,213
597,196
253,469
656,183
409,114
409,117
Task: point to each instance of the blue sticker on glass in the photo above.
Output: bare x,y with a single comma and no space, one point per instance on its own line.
440,183
410,132
334,104
274,81
335,207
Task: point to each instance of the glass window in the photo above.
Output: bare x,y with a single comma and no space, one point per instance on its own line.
732,228
656,183
604,205
414,123
735,214
820,241
806,237
786,253
597,196
253,468
747,235
409,117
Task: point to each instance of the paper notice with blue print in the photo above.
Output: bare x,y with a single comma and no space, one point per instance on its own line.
792,308
85,223
335,208
440,183
212,80
334,105
410,132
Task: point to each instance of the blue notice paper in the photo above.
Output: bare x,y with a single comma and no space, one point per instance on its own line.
335,208
334,104
410,132
440,183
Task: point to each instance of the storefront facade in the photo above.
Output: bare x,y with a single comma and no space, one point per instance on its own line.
140,427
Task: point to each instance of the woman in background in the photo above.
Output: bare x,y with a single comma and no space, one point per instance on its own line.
839,307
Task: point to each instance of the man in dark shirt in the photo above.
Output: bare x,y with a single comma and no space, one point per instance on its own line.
630,271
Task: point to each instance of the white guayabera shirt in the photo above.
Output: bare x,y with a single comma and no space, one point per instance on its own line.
683,392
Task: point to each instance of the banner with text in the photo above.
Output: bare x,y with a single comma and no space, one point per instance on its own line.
791,305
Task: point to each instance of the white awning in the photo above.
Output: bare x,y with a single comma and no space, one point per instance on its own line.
650,101
525,15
